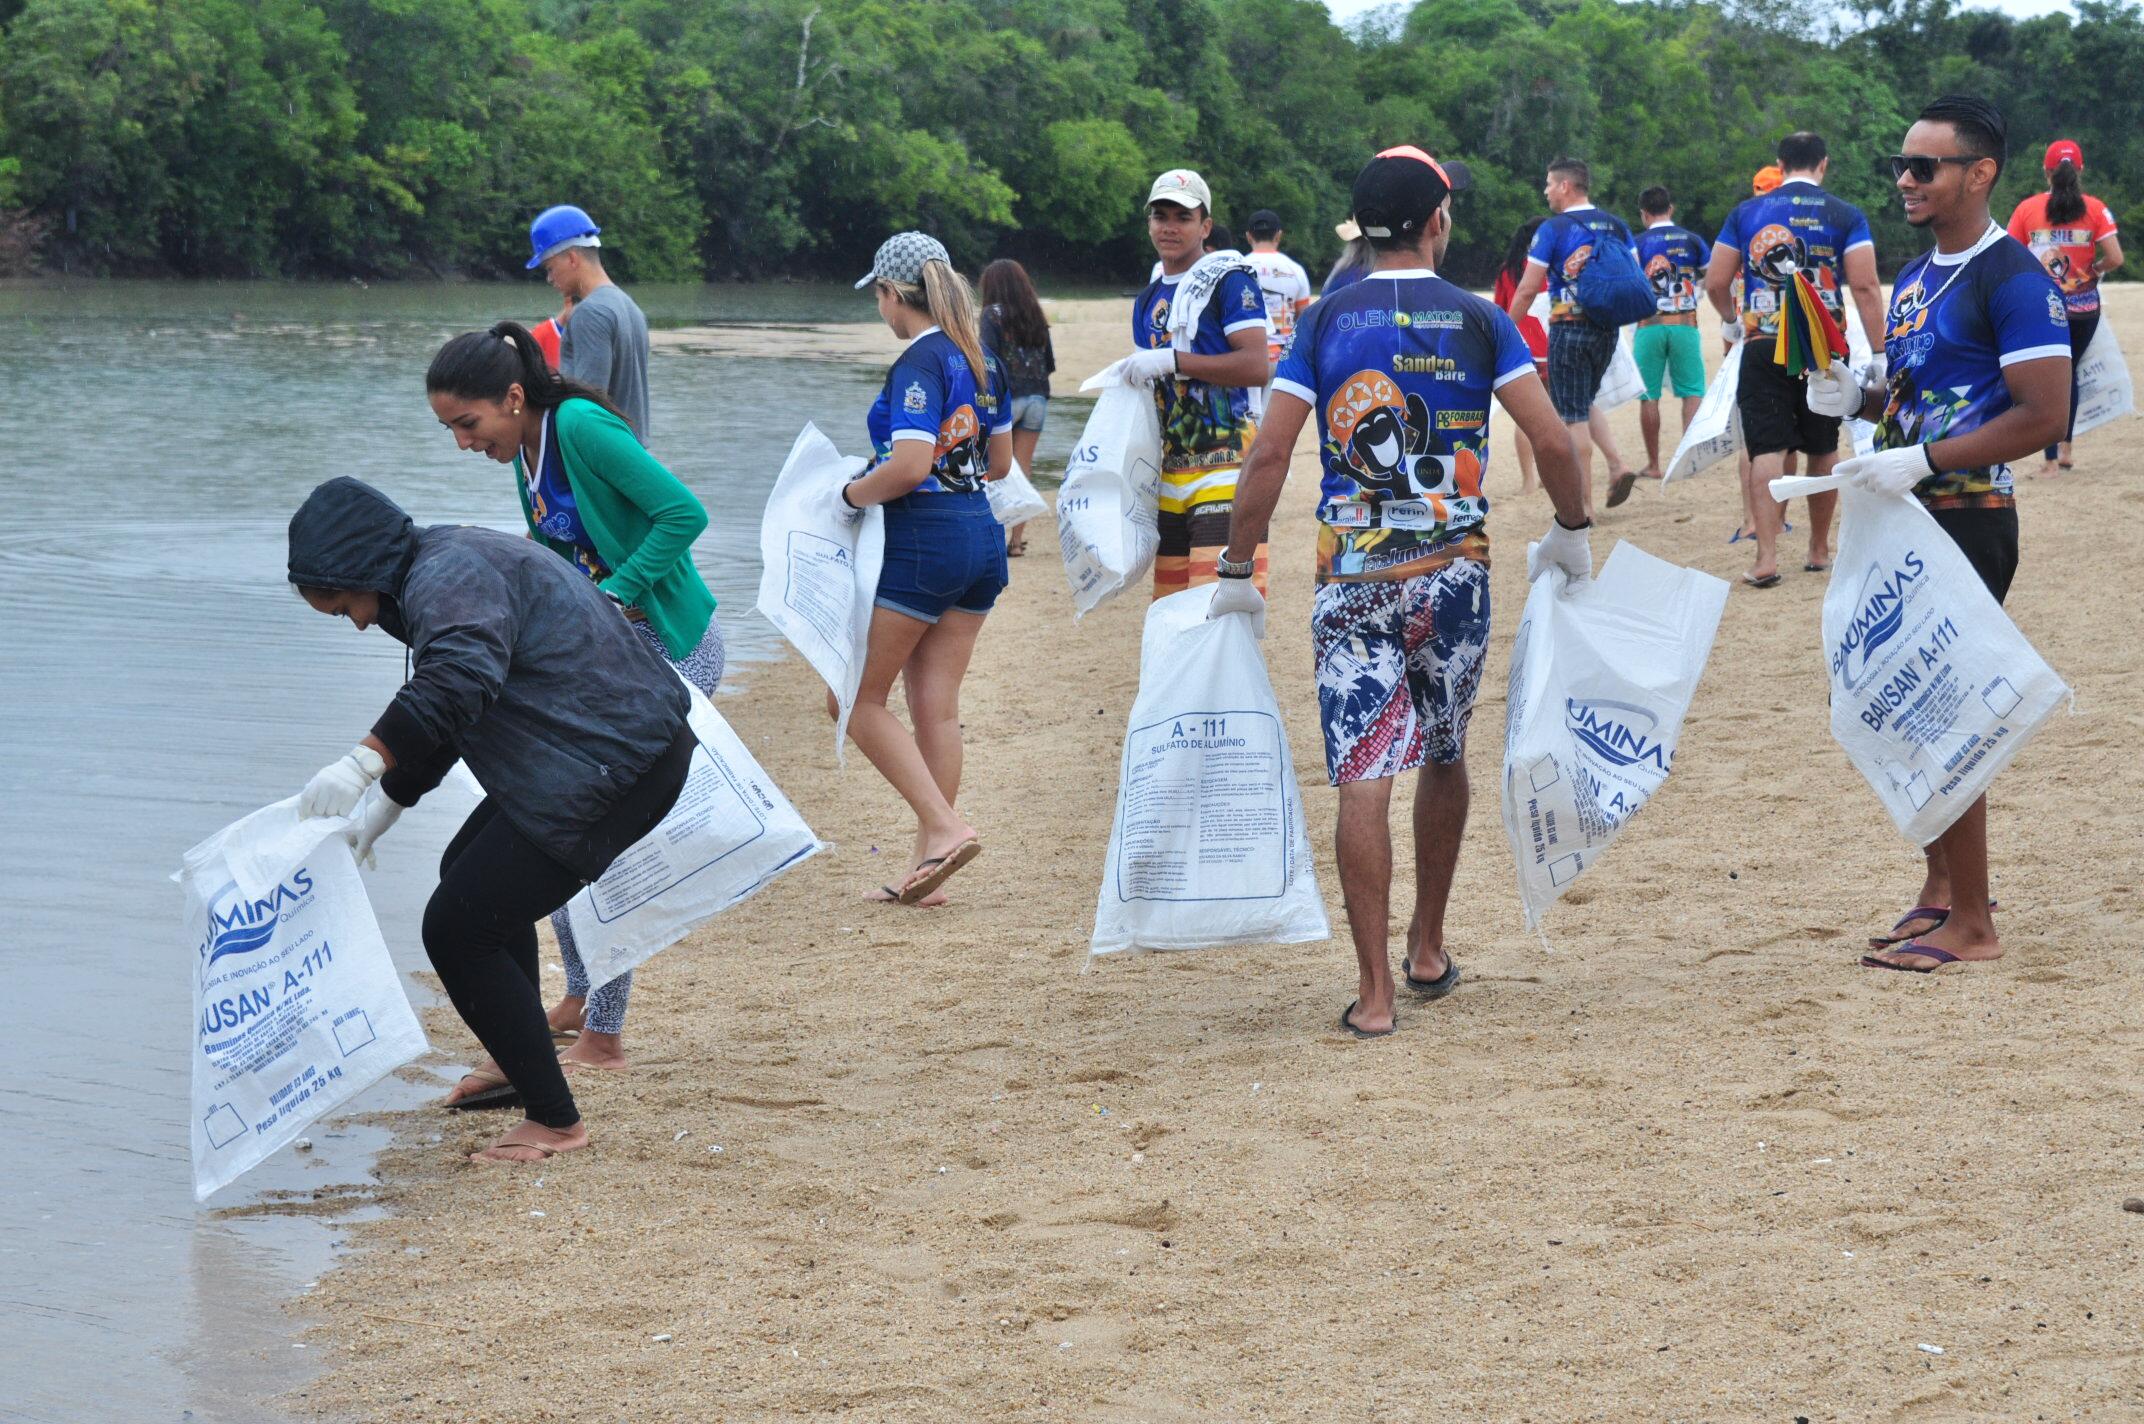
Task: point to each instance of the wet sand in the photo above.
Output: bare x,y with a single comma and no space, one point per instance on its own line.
1692,1164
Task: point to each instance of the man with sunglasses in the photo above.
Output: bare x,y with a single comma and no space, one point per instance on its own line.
1796,227
1979,375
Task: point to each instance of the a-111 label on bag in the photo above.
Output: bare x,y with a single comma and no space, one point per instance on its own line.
1206,804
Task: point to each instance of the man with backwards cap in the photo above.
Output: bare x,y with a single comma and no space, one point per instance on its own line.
1203,390
604,337
1400,368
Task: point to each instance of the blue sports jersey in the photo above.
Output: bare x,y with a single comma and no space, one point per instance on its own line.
1795,226
1564,244
932,394
1400,368
1952,328
1203,428
553,511
1673,259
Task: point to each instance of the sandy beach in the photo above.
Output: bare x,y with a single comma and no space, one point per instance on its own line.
1692,1164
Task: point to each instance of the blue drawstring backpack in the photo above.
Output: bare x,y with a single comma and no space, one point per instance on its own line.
1611,287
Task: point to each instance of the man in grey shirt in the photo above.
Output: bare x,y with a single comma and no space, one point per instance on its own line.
604,343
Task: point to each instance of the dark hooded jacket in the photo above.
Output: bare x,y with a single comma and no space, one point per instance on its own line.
521,667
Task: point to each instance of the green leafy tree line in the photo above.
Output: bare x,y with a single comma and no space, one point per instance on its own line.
763,137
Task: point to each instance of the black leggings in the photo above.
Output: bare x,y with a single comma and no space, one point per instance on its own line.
480,926
480,931
2082,327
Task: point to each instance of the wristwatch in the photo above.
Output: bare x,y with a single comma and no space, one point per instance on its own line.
1227,568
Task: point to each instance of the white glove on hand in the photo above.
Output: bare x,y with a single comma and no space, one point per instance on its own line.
1239,595
848,512
336,787
1893,472
1834,392
1567,549
380,812
1142,367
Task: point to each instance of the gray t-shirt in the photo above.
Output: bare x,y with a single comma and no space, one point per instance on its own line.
605,345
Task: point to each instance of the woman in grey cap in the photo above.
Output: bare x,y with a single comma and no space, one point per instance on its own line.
940,427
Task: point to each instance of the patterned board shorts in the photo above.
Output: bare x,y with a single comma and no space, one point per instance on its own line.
1399,664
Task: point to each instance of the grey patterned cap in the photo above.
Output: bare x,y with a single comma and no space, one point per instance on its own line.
901,257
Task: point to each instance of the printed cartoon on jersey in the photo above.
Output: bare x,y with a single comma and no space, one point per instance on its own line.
1384,437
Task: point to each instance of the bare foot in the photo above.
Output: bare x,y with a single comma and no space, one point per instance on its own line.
533,1142
566,1015
2048,469
594,1050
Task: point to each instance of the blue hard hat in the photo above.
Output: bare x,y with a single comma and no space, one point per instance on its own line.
557,229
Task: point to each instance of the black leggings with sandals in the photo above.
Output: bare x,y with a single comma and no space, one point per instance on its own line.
480,927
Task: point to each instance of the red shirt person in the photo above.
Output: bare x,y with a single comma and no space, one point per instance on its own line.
2073,235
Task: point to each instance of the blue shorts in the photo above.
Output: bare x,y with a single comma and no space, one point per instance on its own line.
942,551
1028,411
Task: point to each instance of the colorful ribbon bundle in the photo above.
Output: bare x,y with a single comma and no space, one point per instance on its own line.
1809,338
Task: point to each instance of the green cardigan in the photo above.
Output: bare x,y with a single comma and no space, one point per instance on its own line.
643,522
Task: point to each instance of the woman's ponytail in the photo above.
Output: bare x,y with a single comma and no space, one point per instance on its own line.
2065,194
946,296
481,365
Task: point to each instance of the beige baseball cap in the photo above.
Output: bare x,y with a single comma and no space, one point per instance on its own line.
1182,187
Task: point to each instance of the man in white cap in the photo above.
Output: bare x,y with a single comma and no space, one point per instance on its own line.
1202,384
603,339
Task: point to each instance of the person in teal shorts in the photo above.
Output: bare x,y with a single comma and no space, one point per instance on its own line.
1666,344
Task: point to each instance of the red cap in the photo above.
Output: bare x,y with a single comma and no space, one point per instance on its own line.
2060,149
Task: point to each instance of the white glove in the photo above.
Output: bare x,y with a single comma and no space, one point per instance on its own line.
1888,471
336,787
1239,595
1877,373
1142,367
848,513
1834,392
1568,549
380,812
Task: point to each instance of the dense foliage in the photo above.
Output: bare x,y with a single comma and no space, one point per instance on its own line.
755,137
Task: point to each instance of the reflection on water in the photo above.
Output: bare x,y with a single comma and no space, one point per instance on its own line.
162,680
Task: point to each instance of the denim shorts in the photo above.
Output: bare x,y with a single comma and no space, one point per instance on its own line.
1028,411
943,550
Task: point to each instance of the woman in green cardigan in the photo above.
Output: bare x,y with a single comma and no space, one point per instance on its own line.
596,498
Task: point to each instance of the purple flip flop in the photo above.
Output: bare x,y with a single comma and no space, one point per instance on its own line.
1913,946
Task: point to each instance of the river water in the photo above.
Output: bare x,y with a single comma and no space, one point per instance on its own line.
161,681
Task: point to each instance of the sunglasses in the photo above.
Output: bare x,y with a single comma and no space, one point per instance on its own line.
1923,165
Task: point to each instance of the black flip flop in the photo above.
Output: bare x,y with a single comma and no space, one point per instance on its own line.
1347,1023
1809,568
505,1095
1435,988
1620,489
1768,581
